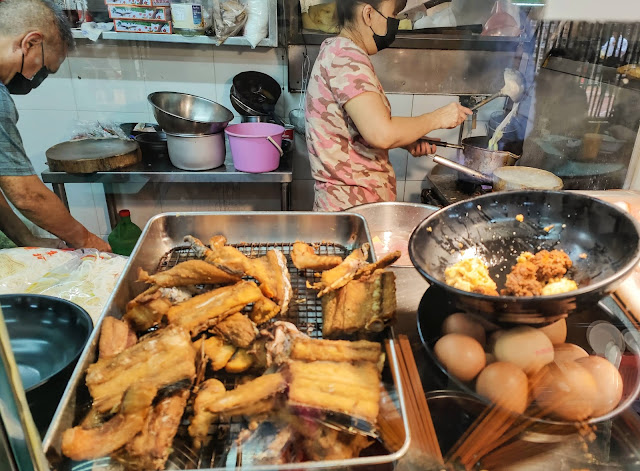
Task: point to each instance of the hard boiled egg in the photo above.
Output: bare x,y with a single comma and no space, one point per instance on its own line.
608,382
557,332
567,390
526,347
568,352
504,384
461,355
464,324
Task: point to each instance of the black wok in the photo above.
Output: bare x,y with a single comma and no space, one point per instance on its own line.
47,336
486,227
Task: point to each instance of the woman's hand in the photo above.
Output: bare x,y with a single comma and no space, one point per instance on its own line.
451,116
420,148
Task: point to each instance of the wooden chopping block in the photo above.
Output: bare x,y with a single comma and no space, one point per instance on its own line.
93,155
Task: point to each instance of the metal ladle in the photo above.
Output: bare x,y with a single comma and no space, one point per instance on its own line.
513,88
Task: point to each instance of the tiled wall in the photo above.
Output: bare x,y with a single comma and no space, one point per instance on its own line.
110,80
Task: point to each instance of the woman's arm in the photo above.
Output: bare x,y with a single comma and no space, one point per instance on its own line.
376,125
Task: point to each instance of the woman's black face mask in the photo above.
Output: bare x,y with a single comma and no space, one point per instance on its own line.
20,85
383,42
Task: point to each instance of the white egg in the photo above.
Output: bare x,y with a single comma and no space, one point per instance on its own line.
526,347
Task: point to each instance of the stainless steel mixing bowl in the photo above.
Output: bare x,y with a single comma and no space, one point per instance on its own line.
181,113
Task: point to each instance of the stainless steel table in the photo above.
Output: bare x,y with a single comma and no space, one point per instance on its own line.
162,171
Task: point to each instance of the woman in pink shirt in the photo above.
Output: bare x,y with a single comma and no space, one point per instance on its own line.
349,125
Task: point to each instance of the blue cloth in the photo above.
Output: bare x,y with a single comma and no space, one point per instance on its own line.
13,159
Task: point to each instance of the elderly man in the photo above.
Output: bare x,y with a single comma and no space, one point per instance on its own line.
34,40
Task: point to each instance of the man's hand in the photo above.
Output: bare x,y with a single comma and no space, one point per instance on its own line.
49,243
420,148
94,242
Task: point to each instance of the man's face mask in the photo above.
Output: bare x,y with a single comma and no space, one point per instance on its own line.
383,42
20,85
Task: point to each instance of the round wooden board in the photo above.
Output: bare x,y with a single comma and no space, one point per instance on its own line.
93,155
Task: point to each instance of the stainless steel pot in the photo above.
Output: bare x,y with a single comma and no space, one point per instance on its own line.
477,156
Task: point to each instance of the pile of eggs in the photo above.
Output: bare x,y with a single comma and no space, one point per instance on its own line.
513,367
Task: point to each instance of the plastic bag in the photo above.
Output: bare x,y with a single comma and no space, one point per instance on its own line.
229,18
98,130
257,27
21,266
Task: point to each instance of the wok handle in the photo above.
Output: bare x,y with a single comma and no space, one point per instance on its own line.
461,168
441,143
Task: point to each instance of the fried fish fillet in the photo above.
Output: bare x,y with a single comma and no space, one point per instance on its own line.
339,276
217,350
254,397
147,309
307,349
352,389
263,311
304,258
150,449
240,362
80,443
191,272
115,337
208,392
162,358
237,329
206,310
364,305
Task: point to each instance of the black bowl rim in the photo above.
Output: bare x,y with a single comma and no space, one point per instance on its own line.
81,312
623,272
153,94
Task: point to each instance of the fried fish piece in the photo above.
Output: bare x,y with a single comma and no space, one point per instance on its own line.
217,350
341,275
206,310
80,443
237,329
304,258
115,337
209,391
364,305
147,309
162,358
191,272
342,387
240,361
307,349
150,449
254,397
263,311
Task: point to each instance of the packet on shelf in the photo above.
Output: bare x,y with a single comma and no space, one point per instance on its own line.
138,26
143,3
139,13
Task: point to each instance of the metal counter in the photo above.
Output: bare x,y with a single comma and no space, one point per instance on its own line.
162,171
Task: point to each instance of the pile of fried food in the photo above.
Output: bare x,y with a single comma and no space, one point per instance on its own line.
204,319
537,274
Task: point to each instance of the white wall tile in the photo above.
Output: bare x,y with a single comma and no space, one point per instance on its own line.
400,190
401,105
229,62
144,203
419,168
108,76
302,195
427,103
176,68
41,129
100,202
412,190
55,93
398,158
82,205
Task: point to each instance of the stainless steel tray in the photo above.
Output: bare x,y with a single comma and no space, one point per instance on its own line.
253,232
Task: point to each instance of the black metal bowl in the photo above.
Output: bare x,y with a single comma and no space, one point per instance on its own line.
486,227
47,336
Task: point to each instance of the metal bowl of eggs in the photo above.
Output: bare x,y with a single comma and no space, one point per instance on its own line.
582,368
602,243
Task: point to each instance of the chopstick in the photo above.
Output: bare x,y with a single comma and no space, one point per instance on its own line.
423,432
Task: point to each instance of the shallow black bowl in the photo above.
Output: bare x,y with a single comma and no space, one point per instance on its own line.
47,336
486,227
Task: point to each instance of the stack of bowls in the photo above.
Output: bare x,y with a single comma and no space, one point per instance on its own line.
195,129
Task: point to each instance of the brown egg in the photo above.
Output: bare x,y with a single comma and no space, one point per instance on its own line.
504,384
608,382
557,332
568,352
526,347
461,355
567,390
464,324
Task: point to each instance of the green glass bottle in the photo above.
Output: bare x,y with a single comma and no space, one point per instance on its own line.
124,236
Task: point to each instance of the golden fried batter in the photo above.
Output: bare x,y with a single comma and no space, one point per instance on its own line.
191,272
263,311
304,258
147,309
237,329
217,350
209,391
115,337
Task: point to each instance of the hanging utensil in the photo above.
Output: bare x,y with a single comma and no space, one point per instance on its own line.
513,88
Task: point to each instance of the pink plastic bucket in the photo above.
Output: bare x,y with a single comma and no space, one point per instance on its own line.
255,147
